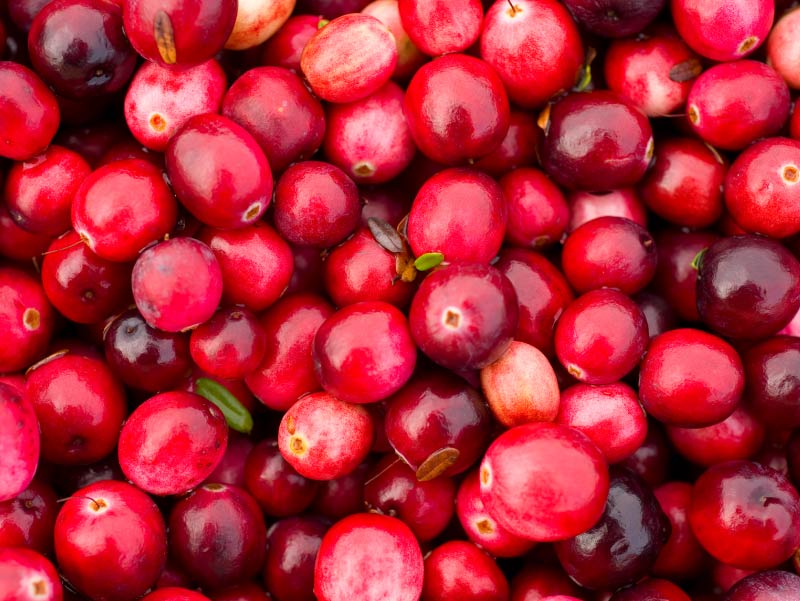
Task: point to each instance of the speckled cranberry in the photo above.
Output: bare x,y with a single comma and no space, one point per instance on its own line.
442,27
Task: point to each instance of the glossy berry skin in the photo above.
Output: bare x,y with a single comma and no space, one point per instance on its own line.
79,48
383,561
25,575
623,545
39,191
710,384
538,214
739,506
409,57
536,48
464,315
255,261
681,557
27,520
218,535
723,33
518,148
685,184
335,64
434,411
177,284
364,370
17,243
174,593
460,213
178,32
557,492
652,589
756,104
771,381
292,546
651,461
117,526
285,47
601,336
323,437
457,109
80,405
21,442
761,188
172,442
26,317
229,345
617,154
460,570
585,206
276,108
775,585
82,286
316,204
609,252
29,116
615,18
783,50
219,172
441,27
748,278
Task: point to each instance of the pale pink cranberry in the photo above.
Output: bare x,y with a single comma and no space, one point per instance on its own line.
257,21
323,437
783,48
20,443
335,62
536,48
560,489
442,26
160,100
369,139
723,32
624,202
521,386
409,57
25,575
538,214
370,557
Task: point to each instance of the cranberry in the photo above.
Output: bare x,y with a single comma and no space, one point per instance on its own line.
748,287
623,545
771,381
518,148
746,514
27,520
335,64
370,557
615,156
682,556
460,570
230,344
557,492
172,442
343,496
409,57
783,50
766,586
292,546
457,109
21,442
22,12
464,315
25,575
117,526
652,588
17,243
615,18
330,9
624,202
651,460
709,386
537,211
601,336
285,47
441,27
174,593
537,580
258,21
659,315
231,469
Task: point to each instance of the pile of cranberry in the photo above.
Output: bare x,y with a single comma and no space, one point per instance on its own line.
401,300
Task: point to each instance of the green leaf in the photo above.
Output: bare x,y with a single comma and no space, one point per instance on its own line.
428,261
237,416
697,262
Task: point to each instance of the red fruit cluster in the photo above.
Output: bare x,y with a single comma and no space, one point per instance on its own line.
399,300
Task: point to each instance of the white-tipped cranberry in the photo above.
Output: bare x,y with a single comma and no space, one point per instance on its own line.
257,21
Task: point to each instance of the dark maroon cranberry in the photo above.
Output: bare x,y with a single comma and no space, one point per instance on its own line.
748,287
540,580
615,18
292,546
772,381
343,496
27,520
773,585
652,589
617,153
74,477
623,546
330,9
79,48
651,460
682,557
659,315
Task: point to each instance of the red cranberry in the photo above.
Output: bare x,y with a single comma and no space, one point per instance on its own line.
22,12
29,116
733,104
605,556
460,570
659,315
17,243
172,442
441,27
748,287
557,492
79,48
537,211
370,557
615,156
783,51
323,437
766,586
651,460
21,442
248,591
652,588
231,469
537,580
343,496
461,213
230,344
160,100
437,424
117,526
336,65
457,109
682,557
292,546
585,206
535,47
771,379
601,336
27,520
177,284
285,47
25,575
330,9
316,204
518,148
746,514
217,534
464,315
178,32
174,593
709,386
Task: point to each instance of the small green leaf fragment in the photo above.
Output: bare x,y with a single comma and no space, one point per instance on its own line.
236,414
428,261
697,262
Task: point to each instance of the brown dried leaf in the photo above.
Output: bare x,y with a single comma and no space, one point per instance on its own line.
165,37
385,235
686,71
437,463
